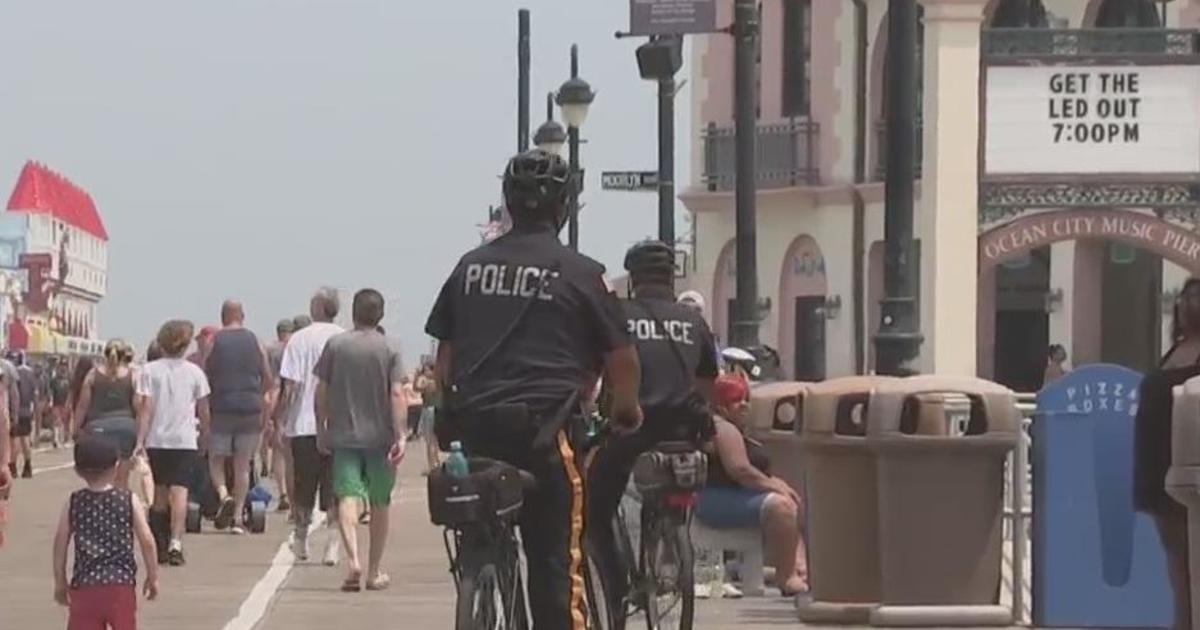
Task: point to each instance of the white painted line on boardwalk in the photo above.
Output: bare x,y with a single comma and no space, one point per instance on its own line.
254,607
38,471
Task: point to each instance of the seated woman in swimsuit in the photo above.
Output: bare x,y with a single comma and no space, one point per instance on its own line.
741,492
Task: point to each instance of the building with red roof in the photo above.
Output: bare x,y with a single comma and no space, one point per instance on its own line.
54,235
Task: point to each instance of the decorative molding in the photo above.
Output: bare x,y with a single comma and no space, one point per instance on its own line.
1001,43
1186,217
990,217
996,197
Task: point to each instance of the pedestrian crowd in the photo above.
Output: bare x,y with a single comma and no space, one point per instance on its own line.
325,409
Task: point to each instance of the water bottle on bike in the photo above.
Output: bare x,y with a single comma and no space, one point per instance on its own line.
456,465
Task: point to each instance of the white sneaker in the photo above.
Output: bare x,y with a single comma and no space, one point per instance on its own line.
332,550
729,591
703,591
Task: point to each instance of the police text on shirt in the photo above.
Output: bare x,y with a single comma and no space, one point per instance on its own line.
508,281
649,330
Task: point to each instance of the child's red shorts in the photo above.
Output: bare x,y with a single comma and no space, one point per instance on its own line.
103,607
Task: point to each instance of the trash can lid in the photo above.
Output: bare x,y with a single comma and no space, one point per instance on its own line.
771,404
887,406
821,400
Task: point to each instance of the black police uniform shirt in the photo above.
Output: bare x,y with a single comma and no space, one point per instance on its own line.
574,319
655,321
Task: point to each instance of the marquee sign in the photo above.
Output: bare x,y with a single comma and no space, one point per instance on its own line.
1075,119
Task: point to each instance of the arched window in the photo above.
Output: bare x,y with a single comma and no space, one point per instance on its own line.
1128,14
1020,14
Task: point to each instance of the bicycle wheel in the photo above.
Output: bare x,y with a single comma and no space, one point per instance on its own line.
598,612
480,603
625,554
668,558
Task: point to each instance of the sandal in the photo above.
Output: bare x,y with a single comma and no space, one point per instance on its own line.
379,582
353,583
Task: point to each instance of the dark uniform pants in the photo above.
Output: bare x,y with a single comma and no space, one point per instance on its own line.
551,527
607,477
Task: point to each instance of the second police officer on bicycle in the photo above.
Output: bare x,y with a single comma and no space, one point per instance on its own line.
678,354
525,325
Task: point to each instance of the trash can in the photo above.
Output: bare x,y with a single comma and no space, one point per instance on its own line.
941,443
776,412
840,488
1183,477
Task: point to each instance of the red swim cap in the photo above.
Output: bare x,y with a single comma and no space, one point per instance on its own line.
729,390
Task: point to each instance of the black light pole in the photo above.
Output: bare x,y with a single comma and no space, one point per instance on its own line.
574,97
666,160
523,61
899,339
658,61
745,328
573,157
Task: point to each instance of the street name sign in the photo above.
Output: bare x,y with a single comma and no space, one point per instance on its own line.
629,180
672,17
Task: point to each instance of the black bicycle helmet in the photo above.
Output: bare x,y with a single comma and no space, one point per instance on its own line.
536,184
650,258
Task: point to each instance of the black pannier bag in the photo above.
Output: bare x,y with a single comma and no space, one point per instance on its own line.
492,490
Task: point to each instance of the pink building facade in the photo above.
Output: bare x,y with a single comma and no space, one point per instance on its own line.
1103,295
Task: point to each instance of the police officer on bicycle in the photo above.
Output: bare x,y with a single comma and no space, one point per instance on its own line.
679,365
525,325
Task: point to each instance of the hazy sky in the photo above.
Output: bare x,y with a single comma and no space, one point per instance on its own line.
258,149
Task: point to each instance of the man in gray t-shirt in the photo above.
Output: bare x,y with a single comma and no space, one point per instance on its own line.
361,415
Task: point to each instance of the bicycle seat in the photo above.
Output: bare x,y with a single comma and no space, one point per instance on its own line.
672,448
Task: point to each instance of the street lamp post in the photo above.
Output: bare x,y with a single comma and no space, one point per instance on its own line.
523,62
551,136
898,340
748,312
659,60
575,98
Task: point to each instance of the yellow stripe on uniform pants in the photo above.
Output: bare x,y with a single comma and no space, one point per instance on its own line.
578,618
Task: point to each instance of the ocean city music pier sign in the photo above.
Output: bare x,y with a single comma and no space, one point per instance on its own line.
1145,231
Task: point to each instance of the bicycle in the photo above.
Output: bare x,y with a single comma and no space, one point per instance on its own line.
661,580
479,515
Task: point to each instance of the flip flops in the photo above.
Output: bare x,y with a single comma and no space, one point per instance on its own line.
353,583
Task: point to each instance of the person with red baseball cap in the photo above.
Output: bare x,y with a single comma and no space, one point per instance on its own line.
204,341
742,493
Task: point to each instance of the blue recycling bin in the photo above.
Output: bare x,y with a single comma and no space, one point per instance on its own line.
1096,562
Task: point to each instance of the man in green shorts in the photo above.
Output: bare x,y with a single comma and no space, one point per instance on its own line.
361,418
